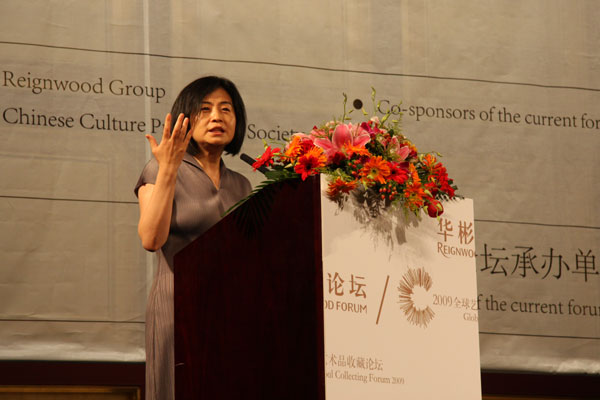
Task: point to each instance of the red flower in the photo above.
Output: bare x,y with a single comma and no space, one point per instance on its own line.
339,186
434,208
309,163
266,159
397,173
432,187
372,127
337,158
440,177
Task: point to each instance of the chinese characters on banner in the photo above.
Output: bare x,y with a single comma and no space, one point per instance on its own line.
401,316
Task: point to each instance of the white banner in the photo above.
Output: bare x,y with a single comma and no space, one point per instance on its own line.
400,305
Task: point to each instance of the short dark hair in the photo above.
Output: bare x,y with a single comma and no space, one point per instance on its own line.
189,100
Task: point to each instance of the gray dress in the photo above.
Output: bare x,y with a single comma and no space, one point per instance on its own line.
197,206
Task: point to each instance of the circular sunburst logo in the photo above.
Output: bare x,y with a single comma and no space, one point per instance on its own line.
413,297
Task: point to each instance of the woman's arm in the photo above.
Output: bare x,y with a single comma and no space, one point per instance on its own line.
156,200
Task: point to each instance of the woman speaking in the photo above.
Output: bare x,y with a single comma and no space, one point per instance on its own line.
182,191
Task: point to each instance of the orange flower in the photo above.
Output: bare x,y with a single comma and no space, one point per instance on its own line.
414,192
309,163
293,149
414,195
376,169
351,150
414,175
429,161
299,145
339,186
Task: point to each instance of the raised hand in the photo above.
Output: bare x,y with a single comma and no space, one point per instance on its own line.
156,200
173,145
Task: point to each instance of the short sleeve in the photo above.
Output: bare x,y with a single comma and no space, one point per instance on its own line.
148,175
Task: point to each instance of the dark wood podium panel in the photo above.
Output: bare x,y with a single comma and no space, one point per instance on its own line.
249,307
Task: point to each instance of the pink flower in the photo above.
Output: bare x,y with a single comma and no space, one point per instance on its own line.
303,136
401,151
317,133
344,134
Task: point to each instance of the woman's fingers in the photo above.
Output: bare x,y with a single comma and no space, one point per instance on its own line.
184,128
177,131
173,143
152,142
167,127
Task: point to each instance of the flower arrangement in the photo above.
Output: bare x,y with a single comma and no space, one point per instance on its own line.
372,161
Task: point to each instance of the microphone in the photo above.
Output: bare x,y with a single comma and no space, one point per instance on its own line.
245,157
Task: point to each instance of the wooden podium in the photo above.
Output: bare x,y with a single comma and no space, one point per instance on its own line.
249,304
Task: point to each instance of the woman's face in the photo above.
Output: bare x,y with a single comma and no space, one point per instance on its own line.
214,125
